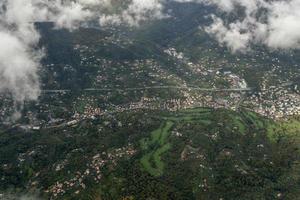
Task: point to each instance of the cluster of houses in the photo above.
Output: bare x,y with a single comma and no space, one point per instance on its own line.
92,172
276,103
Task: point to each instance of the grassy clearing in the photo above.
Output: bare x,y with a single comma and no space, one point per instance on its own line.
290,128
239,123
254,119
151,161
157,157
158,144
155,146
145,161
191,115
165,132
197,110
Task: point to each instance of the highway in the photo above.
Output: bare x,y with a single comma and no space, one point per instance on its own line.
152,87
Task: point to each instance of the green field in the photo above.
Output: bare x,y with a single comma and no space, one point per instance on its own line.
158,144
290,128
155,147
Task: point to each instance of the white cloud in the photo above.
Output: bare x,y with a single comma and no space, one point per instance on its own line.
136,12
284,25
18,68
18,62
230,36
277,28
71,16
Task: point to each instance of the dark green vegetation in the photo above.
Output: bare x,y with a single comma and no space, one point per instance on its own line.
190,154
200,153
